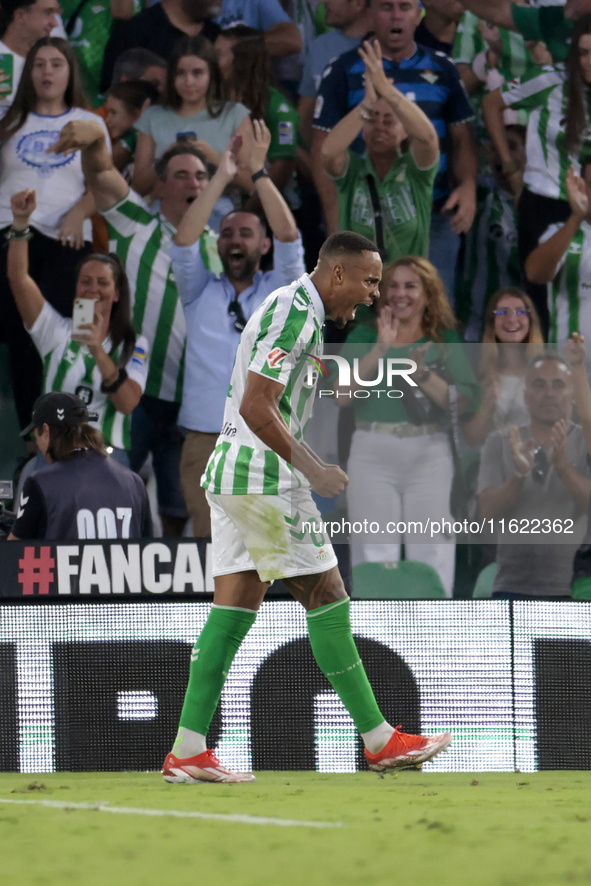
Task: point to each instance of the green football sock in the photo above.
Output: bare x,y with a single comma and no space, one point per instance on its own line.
212,655
337,656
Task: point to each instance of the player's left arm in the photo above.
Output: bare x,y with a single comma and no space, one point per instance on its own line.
260,411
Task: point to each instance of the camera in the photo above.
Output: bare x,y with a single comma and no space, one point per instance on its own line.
7,517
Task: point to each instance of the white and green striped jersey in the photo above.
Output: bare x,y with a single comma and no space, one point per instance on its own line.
69,366
569,294
488,259
545,95
515,58
278,340
141,239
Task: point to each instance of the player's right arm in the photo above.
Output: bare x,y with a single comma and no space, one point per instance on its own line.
27,295
106,183
260,411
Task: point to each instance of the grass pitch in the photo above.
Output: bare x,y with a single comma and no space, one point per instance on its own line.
415,828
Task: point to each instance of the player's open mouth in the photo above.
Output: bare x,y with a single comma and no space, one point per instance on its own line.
396,31
235,255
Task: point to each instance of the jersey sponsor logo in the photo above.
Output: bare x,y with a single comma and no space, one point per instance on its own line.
276,358
285,132
228,430
60,414
31,151
430,76
85,393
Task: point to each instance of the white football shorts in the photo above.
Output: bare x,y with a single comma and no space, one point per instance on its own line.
273,534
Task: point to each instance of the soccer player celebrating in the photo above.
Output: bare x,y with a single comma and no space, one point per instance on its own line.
258,482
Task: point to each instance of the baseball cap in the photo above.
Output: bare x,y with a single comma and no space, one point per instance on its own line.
60,410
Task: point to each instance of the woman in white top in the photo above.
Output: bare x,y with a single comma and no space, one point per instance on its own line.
104,363
512,336
49,95
194,109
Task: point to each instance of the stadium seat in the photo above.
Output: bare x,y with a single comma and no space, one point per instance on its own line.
408,579
484,583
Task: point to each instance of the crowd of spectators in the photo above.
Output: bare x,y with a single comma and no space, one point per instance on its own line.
177,161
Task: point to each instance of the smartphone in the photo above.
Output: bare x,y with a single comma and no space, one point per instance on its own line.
6,65
82,314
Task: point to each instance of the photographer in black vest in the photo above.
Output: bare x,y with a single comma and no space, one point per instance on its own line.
81,494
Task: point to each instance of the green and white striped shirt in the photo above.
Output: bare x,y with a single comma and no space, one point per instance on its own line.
515,58
141,239
276,343
488,259
569,294
545,95
69,366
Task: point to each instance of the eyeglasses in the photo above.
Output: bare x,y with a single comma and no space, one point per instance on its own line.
540,467
235,311
508,312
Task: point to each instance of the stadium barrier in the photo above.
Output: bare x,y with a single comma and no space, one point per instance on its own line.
92,675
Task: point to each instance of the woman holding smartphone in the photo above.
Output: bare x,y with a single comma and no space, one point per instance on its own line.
49,95
102,362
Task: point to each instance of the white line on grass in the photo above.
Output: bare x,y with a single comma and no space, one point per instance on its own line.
102,806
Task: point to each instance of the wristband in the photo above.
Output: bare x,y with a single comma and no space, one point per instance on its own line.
18,233
423,376
262,173
112,388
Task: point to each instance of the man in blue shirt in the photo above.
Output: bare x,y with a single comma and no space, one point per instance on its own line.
431,80
350,21
218,308
282,36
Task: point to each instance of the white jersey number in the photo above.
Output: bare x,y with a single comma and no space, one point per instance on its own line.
105,523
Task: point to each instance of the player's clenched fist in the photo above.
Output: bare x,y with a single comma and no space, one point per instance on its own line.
75,135
328,480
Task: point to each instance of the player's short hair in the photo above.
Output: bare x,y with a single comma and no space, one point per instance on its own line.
133,64
548,357
176,150
65,444
346,243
